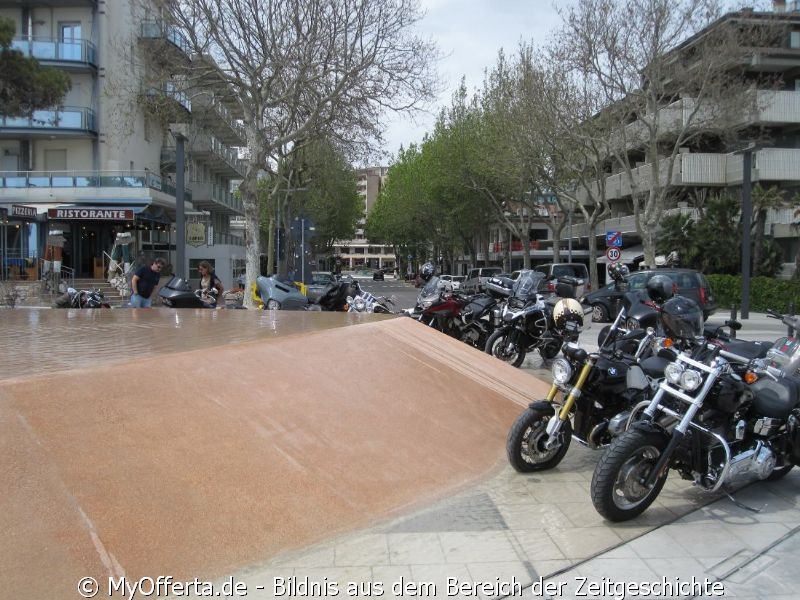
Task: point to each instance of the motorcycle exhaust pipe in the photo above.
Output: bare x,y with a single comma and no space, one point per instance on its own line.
594,439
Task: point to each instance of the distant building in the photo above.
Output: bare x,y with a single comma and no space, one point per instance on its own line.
358,253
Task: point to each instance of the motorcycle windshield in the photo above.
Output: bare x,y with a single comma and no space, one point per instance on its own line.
527,285
431,289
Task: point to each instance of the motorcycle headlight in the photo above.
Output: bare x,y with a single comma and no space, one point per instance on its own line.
673,373
359,304
427,303
632,323
562,371
691,380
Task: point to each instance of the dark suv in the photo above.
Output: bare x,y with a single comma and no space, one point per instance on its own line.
688,282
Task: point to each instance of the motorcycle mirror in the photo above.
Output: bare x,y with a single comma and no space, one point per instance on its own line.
733,324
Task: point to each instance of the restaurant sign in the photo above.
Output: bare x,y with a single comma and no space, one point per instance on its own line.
18,210
96,214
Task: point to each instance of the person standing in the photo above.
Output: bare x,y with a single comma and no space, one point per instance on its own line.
208,282
144,281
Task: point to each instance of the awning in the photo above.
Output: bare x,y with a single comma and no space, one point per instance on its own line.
629,255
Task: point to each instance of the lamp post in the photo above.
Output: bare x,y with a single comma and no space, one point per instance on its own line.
180,216
747,215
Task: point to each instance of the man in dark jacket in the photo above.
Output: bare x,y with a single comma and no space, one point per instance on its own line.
144,281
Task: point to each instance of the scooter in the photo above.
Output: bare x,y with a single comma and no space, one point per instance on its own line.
278,294
177,293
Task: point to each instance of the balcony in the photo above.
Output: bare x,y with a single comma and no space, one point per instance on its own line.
73,55
165,39
62,120
169,102
124,184
210,112
206,195
218,156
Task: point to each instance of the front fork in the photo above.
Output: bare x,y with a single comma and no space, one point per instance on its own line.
554,425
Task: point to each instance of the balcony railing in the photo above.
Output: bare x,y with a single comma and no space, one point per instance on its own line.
158,30
86,179
51,50
73,118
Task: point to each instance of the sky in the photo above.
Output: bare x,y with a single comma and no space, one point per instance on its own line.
469,33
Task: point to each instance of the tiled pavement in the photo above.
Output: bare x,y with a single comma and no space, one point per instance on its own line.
540,528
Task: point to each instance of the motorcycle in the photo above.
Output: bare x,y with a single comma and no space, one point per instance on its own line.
177,293
531,322
365,302
73,298
467,318
718,419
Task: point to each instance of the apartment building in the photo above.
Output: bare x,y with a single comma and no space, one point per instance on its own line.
102,163
358,253
707,165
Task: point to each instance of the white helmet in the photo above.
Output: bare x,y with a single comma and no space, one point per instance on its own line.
568,315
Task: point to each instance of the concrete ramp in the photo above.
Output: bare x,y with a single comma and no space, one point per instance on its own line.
196,458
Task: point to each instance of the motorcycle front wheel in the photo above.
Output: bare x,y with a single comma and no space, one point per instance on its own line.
500,346
617,490
526,440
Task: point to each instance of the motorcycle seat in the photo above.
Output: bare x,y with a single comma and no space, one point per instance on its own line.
748,349
775,399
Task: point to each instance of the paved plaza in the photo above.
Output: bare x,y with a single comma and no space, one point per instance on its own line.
325,454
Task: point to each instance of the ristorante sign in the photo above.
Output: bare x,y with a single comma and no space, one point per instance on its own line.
95,214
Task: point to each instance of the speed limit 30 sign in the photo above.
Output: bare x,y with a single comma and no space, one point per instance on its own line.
613,254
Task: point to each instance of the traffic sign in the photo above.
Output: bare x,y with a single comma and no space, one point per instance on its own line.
613,254
614,238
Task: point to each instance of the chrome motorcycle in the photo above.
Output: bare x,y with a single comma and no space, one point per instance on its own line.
718,419
528,321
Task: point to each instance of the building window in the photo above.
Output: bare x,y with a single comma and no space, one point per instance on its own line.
794,39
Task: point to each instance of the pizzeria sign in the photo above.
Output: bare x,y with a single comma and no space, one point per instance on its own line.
99,214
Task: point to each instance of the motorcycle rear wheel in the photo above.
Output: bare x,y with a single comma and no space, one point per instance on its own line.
526,439
499,346
616,491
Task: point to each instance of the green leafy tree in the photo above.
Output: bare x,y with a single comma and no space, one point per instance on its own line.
764,199
26,86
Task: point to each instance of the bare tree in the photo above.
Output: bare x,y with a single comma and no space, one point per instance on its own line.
301,69
667,80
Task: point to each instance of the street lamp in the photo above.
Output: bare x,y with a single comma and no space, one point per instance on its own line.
747,214
180,217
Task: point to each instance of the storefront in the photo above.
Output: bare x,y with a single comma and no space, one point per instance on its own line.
89,233
19,242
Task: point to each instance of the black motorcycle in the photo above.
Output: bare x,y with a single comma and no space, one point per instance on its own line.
73,298
589,400
177,293
528,321
717,419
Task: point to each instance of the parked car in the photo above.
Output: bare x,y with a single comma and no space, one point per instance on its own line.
453,282
552,271
476,279
319,281
377,275
688,282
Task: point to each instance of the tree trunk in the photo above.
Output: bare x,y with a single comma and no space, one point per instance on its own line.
252,249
